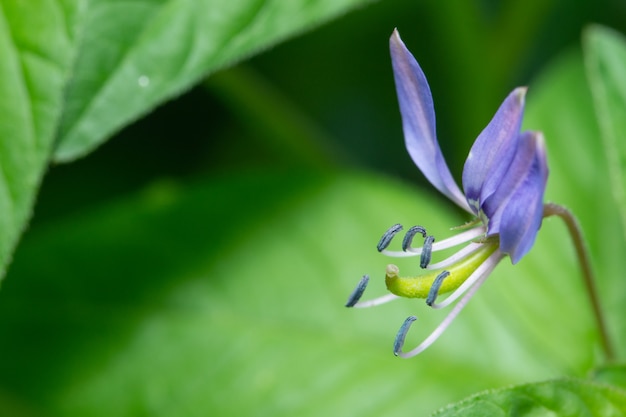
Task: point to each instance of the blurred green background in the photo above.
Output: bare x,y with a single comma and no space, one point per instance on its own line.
197,262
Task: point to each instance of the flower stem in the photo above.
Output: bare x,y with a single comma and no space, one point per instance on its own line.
589,279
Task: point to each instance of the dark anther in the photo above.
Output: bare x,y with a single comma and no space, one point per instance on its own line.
427,251
358,291
399,342
389,234
408,238
434,289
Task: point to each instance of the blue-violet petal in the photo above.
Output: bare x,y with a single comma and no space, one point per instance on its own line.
418,121
515,209
493,151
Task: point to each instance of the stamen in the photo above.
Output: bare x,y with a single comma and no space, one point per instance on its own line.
388,236
408,237
427,251
482,271
399,341
440,245
353,300
383,299
458,239
358,291
457,256
434,290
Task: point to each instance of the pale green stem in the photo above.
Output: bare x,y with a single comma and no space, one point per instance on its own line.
589,279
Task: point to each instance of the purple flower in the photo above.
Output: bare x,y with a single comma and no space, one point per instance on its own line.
504,180
505,174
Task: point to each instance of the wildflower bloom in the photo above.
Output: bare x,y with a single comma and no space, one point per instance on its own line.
504,180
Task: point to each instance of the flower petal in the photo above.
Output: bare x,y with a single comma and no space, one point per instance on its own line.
418,121
515,209
493,151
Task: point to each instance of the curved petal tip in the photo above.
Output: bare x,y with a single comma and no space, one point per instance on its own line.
418,120
493,150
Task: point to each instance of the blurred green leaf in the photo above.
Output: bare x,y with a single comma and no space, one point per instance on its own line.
605,59
72,73
563,398
614,374
178,301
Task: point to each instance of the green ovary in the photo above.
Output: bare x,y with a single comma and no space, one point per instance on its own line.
419,287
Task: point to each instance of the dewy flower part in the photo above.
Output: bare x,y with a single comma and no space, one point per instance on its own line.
504,180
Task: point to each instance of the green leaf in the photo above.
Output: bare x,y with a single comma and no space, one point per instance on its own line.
563,398
177,301
91,67
614,374
605,59
33,71
135,55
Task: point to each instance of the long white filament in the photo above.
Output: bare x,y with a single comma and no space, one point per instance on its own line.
457,256
376,301
491,262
